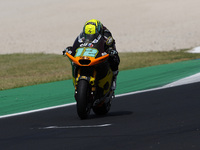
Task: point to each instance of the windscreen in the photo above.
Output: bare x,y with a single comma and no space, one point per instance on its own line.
91,46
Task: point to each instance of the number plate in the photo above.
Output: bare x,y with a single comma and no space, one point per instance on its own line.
86,51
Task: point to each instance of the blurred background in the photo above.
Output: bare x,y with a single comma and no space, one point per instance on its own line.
48,26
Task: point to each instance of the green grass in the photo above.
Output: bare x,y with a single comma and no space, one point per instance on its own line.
18,70
146,59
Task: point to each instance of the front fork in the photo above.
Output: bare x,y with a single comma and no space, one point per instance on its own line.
91,81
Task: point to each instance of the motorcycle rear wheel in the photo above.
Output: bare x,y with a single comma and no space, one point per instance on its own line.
102,110
82,99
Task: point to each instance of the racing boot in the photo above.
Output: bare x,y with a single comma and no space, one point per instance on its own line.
115,73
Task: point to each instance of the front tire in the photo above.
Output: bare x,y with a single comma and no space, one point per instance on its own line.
82,99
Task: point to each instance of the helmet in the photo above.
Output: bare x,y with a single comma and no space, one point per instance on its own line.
92,26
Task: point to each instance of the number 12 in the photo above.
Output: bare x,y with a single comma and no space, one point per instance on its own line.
90,52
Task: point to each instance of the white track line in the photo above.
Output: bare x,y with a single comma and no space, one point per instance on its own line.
37,110
75,127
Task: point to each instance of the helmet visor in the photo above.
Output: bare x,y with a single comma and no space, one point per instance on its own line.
91,37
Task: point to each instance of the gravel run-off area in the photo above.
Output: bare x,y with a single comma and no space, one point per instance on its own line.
49,26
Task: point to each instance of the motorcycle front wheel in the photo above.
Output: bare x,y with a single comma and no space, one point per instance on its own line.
82,99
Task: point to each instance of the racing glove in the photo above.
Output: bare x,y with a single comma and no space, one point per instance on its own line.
69,48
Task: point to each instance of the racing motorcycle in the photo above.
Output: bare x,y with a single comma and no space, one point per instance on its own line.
92,77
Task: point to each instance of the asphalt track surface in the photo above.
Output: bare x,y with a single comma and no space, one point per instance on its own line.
166,119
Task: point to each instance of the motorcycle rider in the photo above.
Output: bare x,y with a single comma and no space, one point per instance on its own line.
92,27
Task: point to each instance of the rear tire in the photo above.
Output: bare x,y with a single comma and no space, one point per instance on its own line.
82,99
102,110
